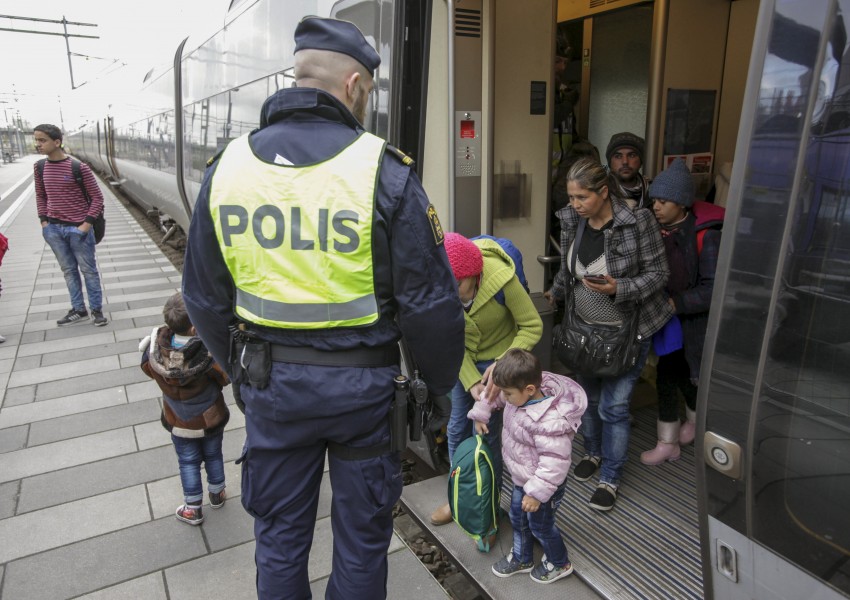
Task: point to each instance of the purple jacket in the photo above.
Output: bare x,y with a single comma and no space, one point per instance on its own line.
537,440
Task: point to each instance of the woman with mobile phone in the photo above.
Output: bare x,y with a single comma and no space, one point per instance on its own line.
623,268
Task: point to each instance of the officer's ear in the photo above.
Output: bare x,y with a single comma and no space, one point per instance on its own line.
351,86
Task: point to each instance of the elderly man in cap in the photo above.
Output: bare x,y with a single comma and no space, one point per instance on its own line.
312,250
625,159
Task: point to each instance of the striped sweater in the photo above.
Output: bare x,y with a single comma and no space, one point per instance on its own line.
60,200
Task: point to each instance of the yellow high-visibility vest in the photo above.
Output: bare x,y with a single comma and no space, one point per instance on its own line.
298,239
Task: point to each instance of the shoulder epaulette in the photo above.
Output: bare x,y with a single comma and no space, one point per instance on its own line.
404,158
215,157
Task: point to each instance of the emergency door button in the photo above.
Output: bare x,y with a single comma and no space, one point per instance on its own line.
723,455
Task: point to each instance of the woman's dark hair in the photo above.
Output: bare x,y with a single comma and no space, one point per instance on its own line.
175,315
592,175
517,369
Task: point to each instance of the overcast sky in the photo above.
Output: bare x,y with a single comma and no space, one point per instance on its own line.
134,36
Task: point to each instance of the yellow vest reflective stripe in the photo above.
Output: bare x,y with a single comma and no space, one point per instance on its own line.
298,239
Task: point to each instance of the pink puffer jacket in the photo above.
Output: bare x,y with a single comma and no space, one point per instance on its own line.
537,440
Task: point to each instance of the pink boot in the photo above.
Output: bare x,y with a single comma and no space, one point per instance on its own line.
688,430
667,448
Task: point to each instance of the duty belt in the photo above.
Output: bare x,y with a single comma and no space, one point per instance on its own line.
383,356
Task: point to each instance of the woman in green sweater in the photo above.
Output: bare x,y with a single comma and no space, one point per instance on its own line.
499,315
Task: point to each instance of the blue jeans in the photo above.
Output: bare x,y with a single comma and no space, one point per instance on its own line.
541,525
74,250
461,428
191,452
605,424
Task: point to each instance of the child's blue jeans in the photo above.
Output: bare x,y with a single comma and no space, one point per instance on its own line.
191,452
540,525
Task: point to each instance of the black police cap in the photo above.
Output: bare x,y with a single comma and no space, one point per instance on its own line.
337,36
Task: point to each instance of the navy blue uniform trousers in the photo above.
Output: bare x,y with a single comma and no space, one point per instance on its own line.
282,466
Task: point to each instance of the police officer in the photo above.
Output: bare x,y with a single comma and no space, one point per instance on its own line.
318,239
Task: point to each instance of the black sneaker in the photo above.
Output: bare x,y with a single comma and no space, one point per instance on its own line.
217,499
98,319
604,496
508,566
73,316
586,467
189,513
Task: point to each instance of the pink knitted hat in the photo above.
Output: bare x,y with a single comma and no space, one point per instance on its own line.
464,256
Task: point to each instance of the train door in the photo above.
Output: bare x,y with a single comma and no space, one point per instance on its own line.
774,482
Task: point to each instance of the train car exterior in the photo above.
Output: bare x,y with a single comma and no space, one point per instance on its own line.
774,421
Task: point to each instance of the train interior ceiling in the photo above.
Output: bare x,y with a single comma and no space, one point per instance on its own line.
466,88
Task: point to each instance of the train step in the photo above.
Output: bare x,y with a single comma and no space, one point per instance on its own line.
420,499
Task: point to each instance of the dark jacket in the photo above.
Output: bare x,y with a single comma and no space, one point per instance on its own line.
635,257
693,303
416,291
191,382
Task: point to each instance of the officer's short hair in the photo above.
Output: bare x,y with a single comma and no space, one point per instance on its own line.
175,315
53,132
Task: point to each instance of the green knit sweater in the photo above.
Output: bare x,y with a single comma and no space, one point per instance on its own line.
493,328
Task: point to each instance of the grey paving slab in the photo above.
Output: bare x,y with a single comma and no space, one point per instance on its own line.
157,300
8,498
63,371
13,438
32,336
104,350
21,364
143,391
67,453
92,421
72,522
86,339
18,396
109,559
9,349
229,574
50,489
59,407
95,382
149,587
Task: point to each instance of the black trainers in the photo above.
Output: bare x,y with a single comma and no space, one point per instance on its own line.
604,496
586,467
217,499
189,513
73,316
98,319
508,566
546,572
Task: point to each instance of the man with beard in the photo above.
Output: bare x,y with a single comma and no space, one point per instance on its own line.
625,159
312,250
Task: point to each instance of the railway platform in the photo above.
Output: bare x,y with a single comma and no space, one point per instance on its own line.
88,477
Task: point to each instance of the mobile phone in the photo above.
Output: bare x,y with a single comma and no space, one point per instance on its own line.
596,278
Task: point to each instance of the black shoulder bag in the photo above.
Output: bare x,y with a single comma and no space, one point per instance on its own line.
591,349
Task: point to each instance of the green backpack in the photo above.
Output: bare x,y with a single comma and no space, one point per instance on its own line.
473,496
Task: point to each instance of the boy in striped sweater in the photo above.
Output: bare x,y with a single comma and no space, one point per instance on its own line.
67,218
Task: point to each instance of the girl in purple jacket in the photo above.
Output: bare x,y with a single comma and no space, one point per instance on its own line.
542,413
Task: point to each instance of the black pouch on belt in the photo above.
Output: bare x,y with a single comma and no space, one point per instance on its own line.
255,360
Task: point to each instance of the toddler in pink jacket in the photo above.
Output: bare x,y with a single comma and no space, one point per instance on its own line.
542,413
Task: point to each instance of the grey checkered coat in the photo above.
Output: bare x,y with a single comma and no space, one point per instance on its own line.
636,258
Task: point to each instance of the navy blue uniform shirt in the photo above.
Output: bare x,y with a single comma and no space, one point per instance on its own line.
414,284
